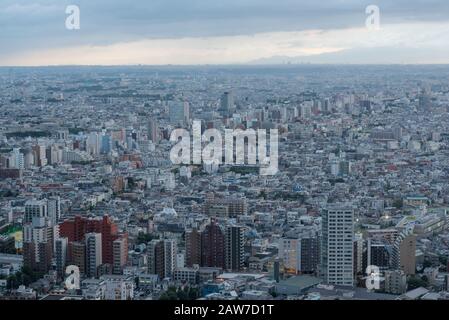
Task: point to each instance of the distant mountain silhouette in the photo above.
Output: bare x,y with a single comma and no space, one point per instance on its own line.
378,55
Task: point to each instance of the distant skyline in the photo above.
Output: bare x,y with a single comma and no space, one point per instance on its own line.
197,32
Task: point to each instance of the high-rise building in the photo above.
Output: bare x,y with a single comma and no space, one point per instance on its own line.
213,246
54,209
162,257
170,252
93,144
300,254
227,103
156,258
193,247
93,253
54,154
75,230
424,100
48,155
28,158
109,233
106,143
290,253
153,131
310,252
404,252
120,254
35,209
179,112
305,110
77,257
18,160
38,245
40,155
61,247
379,254
234,248
337,246
359,248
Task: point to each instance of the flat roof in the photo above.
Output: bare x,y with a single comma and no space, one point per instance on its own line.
227,276
416,293
303,281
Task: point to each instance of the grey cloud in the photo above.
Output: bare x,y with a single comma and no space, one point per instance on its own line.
37,24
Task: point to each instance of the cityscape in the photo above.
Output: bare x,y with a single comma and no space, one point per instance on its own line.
356,210
209,169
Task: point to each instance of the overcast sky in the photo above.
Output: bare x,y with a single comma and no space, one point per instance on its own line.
32,32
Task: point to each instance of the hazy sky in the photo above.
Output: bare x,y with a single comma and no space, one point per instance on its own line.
32,32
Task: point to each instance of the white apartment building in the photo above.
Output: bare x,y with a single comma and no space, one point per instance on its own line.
337,247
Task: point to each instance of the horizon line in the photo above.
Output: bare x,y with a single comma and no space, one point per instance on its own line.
224,65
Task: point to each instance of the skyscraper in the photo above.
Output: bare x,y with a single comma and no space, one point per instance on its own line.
18,159
54,209
170,251
359,250
193,247
378,254
156,256
93,143
106,143
227,103
40,158
213,246
162,257
179,112
93,253
61,256
337,247
120,254
54,154
404,252
234,248
78,255
153,131
424,100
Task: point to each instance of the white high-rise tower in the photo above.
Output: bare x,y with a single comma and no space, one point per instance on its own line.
337,247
